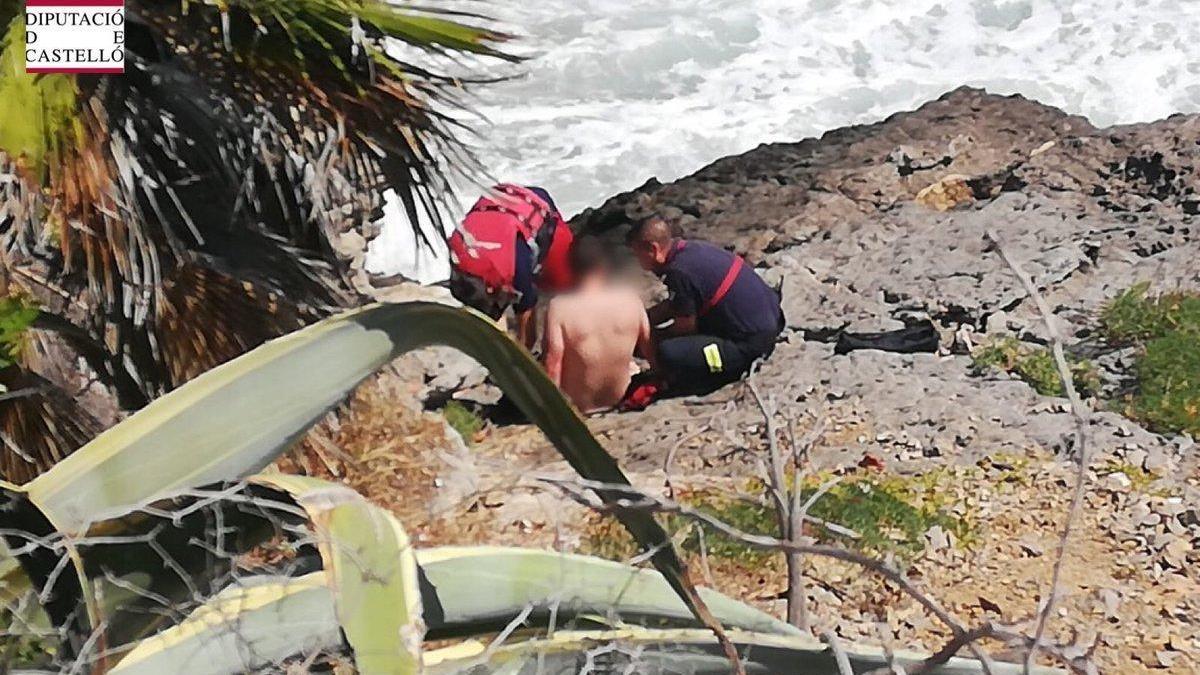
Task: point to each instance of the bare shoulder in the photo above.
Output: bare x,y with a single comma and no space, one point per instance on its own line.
631,297
629,301
560,305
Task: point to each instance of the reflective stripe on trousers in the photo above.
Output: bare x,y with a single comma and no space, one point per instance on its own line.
712,356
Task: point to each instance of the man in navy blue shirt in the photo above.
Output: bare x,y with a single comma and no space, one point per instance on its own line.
723,315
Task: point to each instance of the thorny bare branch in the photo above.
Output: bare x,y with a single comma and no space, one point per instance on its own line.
203,530
620,497
790,513
1082,418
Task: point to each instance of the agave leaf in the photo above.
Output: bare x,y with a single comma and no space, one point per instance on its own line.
242,628
235,419
677,651
224,425
473,590
371,568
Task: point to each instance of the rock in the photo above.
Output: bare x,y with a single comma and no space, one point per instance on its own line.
998,323
1119,479
950,192
1157,461
937,538
1175,553
1136,457
1166,659
1031,548
1111,600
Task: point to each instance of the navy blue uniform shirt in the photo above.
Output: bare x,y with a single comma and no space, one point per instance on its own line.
693,274
523,277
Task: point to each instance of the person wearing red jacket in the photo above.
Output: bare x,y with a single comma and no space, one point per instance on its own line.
512,245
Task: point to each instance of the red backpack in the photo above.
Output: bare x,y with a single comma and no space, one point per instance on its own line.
482,246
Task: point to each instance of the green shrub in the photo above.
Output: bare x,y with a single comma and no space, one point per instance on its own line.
1168,395
1133,316
1035,366
16,314
890,514
26,650
464,420
1140,479
1167,328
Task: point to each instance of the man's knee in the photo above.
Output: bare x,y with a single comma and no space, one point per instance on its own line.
697,355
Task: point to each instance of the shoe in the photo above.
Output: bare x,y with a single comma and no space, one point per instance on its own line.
640,396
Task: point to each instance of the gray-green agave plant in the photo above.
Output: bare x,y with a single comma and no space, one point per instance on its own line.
160,547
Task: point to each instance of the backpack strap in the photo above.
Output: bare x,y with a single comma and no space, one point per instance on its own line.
538,222
539,211
735,268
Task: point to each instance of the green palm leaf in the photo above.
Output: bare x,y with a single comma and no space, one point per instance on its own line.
35,112
207,200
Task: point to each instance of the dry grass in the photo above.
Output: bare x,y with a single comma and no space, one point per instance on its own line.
382,448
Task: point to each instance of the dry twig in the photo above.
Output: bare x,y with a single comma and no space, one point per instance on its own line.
789,511
1082,416
624,497
839,654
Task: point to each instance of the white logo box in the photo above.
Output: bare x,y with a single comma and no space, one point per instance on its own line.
75,36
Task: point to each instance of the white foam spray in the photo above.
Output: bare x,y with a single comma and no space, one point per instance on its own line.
619,91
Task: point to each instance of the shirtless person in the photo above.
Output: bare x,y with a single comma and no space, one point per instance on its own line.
592,333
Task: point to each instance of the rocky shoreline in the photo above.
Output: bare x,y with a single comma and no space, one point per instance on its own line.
873,227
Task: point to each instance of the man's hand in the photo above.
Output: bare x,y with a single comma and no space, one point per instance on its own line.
682,325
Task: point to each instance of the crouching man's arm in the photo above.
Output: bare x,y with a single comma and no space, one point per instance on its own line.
660,313
552,346
681,324
680,307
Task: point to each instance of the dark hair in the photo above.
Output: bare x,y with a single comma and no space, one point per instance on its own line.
472,292
588,254
654,227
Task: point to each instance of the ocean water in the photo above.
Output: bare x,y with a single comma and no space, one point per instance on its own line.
618,91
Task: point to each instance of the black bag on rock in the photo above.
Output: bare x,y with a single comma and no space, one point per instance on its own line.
921,337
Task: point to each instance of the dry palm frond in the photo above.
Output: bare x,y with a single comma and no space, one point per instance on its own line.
39,425
183,212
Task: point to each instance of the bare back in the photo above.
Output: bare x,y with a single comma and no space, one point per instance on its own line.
591,336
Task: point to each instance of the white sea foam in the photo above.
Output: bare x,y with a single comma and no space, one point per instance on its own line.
623,90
